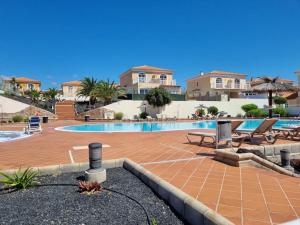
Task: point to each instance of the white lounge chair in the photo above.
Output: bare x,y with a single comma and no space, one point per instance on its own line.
34,125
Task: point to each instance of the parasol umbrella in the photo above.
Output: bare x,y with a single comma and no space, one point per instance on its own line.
270,85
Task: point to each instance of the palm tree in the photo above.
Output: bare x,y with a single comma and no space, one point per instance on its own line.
34,95
107,91
87,86
14,84
50,96
270,85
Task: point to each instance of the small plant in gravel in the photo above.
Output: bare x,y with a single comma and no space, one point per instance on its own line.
17,118
87,187
154,222
20,179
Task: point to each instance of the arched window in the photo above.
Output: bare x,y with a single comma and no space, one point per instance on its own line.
142,77
163,78
219,83
237,83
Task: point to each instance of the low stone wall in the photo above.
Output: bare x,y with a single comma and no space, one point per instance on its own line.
230,157
97,114
31,111
188,208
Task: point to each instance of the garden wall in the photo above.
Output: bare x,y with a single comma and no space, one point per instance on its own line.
183,109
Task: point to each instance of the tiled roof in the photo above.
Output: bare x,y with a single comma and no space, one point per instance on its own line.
26,80
289,94
145,67
216,72
72,83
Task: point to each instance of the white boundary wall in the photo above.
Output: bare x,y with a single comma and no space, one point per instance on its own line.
183,109
8,105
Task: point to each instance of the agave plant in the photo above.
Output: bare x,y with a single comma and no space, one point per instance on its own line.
89,187
20,179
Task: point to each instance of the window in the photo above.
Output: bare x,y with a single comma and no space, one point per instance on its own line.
163,78
30,87
70,89
142,78
197,84
219,83
237,83
144,91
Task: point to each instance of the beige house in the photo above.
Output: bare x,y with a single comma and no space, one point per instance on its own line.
70,89
294,97
216,85
141,79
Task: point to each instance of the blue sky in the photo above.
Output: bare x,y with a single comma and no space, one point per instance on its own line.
61,40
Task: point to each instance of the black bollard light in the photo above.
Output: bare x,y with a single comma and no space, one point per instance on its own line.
285,157
95,155
96,173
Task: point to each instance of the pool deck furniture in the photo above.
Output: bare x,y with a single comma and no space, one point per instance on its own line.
149,118
34,125
235,137
292,131
264,130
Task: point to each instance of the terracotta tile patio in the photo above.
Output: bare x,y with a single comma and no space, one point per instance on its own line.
244,195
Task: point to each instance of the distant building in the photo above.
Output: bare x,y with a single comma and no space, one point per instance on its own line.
141,79
28,84
216,85
18,84
70,89
294,99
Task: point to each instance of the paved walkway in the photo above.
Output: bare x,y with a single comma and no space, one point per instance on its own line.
245,195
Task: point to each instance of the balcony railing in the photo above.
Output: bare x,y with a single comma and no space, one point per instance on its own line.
156,81
227,86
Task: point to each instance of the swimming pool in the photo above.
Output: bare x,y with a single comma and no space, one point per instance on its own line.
12,135
163,126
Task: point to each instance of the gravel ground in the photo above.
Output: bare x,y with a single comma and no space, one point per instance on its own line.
60,204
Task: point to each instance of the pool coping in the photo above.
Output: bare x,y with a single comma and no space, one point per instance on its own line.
187,207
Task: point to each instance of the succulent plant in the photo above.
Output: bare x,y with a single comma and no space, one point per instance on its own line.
89,187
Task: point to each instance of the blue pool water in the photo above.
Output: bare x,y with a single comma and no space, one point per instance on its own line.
12,135
163,126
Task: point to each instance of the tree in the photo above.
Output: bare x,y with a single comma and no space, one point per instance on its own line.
34,95
107,91
158,97
279,100
213,110
50,96
14,84
247,107
87,86
270,85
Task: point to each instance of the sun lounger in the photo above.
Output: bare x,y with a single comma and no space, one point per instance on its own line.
149,118
264,129
292,131
235,137
34,125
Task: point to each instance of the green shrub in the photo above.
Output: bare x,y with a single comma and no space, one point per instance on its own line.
213,110
248,107
26,119
17,118
143,115
279,100
158,97
257,113
280,110
20,180
118,116
200,112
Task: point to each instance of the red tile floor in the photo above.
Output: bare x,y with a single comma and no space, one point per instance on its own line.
244,195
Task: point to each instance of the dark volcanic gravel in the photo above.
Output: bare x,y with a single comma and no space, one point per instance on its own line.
60,204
